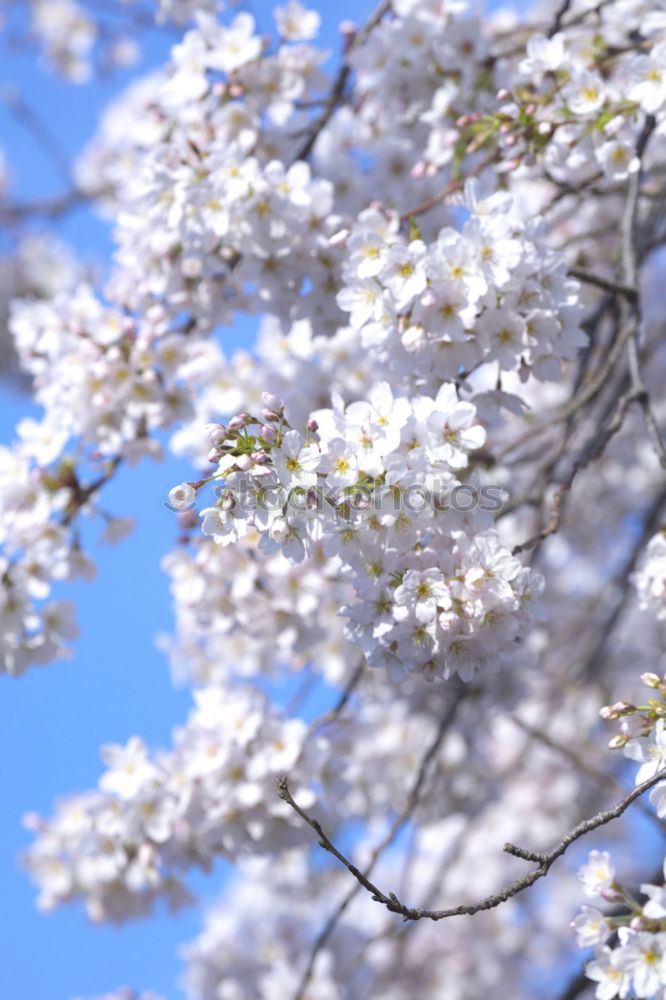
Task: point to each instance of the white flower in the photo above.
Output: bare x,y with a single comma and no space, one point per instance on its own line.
422,594
296,23
544,55
129,769
182,497
618,160
598,874
341,463
296,462
647,79
613,981
650,751
585,93
643,957
452,428
591,927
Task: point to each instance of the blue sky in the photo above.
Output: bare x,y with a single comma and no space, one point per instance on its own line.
117,683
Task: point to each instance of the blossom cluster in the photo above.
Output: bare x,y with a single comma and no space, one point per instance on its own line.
241,615
634,962
436,591
493,292
154,816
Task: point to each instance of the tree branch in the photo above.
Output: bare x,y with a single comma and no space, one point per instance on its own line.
544,860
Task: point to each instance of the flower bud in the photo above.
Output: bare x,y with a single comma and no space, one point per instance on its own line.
611,895
338,239
216,433
272,402
650,680
620,707
243,462
269,434
270,415
213,455
313,426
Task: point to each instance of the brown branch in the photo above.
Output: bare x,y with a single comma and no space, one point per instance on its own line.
340,83
396,827
543,860
607,285
628,231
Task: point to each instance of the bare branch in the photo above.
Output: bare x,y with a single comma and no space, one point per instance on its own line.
339,84
604,283
543,860
395,829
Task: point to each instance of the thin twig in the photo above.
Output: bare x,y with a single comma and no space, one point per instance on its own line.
340,83
543,860
607,285
395,829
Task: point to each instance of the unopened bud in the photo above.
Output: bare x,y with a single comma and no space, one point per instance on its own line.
502,94
269,434
243,462
213,455
339,239
611,895
650,680
313,426
272,402
617,742
216,433
623,706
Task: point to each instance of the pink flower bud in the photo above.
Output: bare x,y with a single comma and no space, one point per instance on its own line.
338,239
216,433
313,426
623,706
272,402
237,422
213,455
259,457
244,463
269,434
611,895
269,415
